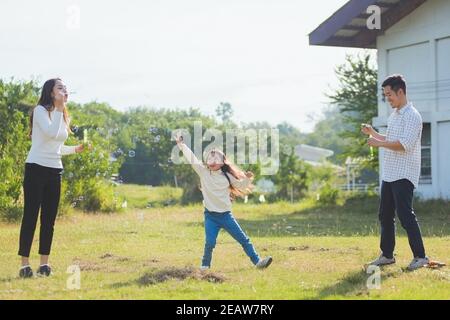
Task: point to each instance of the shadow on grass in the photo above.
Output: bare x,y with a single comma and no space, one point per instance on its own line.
10,279
357,217
355,284
157,276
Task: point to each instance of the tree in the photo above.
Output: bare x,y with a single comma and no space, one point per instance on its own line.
356,98
327,134
225,112
16,100
292,177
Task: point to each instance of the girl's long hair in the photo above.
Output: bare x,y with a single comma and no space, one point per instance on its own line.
46,101
230,168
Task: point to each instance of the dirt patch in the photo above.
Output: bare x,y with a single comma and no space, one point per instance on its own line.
114,257
150,262
104,266
86,265
300,248
350,250
158,276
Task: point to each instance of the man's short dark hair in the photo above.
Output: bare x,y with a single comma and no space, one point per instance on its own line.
396,82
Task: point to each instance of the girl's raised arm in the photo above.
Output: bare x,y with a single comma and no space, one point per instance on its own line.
196,164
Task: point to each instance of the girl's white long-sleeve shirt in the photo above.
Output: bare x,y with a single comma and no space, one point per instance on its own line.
47,139
215,186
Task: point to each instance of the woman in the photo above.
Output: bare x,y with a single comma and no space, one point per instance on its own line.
49,123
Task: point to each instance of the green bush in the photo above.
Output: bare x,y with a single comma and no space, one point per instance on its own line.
91,195
11,214
191,193
292,179
328,195
86,178
16,100
99,196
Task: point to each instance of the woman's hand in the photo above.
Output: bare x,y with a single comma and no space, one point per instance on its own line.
80,148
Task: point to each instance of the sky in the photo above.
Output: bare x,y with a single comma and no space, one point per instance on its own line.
253,54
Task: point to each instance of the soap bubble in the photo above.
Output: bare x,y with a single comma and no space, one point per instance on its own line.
131,153
75,129
157,138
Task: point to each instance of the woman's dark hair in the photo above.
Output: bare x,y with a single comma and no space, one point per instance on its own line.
46,100
396,82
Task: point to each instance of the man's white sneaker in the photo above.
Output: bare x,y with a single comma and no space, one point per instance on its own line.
382,261
417,263
203,268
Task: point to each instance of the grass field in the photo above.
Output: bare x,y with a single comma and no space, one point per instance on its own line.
154,253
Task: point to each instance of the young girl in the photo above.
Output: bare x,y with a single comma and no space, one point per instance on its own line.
220,182
49,124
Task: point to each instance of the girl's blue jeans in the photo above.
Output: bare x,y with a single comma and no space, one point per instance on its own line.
214,221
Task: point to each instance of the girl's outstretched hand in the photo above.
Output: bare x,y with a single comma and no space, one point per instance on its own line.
249,175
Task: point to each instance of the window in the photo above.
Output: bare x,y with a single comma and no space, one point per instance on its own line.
425,170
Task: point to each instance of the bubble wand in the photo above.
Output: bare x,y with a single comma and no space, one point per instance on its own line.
85,137
370,136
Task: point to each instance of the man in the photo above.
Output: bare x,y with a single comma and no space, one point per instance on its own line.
401,171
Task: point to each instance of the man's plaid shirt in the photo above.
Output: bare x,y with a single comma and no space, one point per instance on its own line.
405,126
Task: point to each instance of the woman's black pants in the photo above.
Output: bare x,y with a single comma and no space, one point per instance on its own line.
42,191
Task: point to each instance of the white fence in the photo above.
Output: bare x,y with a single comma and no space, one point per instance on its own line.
357,187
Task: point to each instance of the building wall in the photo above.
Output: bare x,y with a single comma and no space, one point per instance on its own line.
444,166
418,47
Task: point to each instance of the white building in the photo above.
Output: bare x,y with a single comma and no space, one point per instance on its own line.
414,40
312,155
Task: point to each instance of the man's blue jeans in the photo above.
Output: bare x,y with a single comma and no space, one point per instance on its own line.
397,197
214,221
